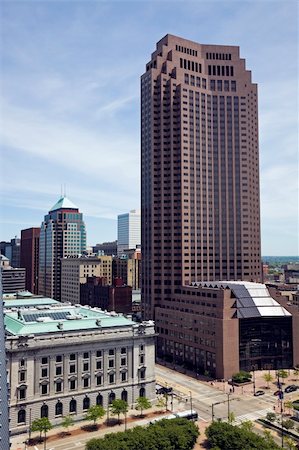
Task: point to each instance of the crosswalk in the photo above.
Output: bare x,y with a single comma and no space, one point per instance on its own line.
253,415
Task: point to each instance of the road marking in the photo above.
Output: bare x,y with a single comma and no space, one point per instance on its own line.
253,415
78,443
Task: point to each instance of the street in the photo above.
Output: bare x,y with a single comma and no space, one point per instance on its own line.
242,403
188,393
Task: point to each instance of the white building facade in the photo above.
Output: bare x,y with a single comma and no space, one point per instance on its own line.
63,359
128,231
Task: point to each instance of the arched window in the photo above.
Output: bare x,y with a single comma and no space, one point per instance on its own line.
124,396
99,400
142,392
22,416
58,409
86,403
73,406
44,411
111,397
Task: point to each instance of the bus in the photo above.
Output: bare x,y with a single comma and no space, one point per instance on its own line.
189,415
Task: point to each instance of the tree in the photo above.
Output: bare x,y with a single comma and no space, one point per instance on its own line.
291,445
268,378
289,405
119,407
247,425
229,437
43,425
179,434
142,403
288,424
161,402
281,373
271,416
67,422
296,373
231,417
95,413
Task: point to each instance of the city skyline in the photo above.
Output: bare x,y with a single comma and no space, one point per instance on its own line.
72,105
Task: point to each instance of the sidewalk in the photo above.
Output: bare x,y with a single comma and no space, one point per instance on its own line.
133,419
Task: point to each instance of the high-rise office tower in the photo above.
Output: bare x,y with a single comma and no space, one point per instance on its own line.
128,231
30,257
200,169
62,234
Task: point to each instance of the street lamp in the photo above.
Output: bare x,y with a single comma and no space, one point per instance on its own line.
228,406
190,401
253,371
29,425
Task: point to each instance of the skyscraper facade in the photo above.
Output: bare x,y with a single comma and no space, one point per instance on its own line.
30,257
200,170
128,231
62,235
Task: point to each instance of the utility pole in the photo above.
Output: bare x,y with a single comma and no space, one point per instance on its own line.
228,406
191,401
253,371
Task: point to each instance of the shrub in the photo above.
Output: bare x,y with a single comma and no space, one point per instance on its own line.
175,434
241,377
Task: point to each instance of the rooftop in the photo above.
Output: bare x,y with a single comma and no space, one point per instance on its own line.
63,203
50,316
253,299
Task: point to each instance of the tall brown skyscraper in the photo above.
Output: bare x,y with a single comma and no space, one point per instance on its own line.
30,257
200,170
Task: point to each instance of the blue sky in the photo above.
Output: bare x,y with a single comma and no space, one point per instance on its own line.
70,74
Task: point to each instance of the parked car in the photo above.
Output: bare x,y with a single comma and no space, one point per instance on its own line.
258,393
276,392
291,388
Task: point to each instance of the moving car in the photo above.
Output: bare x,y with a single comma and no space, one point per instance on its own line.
258,393
291,388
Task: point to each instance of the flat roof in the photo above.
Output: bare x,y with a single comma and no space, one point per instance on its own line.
59,317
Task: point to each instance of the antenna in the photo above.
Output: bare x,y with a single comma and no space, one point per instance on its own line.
65,190
61,190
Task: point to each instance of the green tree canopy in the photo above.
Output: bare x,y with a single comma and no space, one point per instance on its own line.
268,378
119,407
229,437
142,403
281,373
67,422
175,434
95,413
43,425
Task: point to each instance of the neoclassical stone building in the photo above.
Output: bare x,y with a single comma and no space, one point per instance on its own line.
64,358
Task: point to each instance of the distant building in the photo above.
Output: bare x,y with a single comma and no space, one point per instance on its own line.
76,270
128,231
62,234
128,267
30,257
111,298
106,248
13,279
295,300
62,359
291,273
12,251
